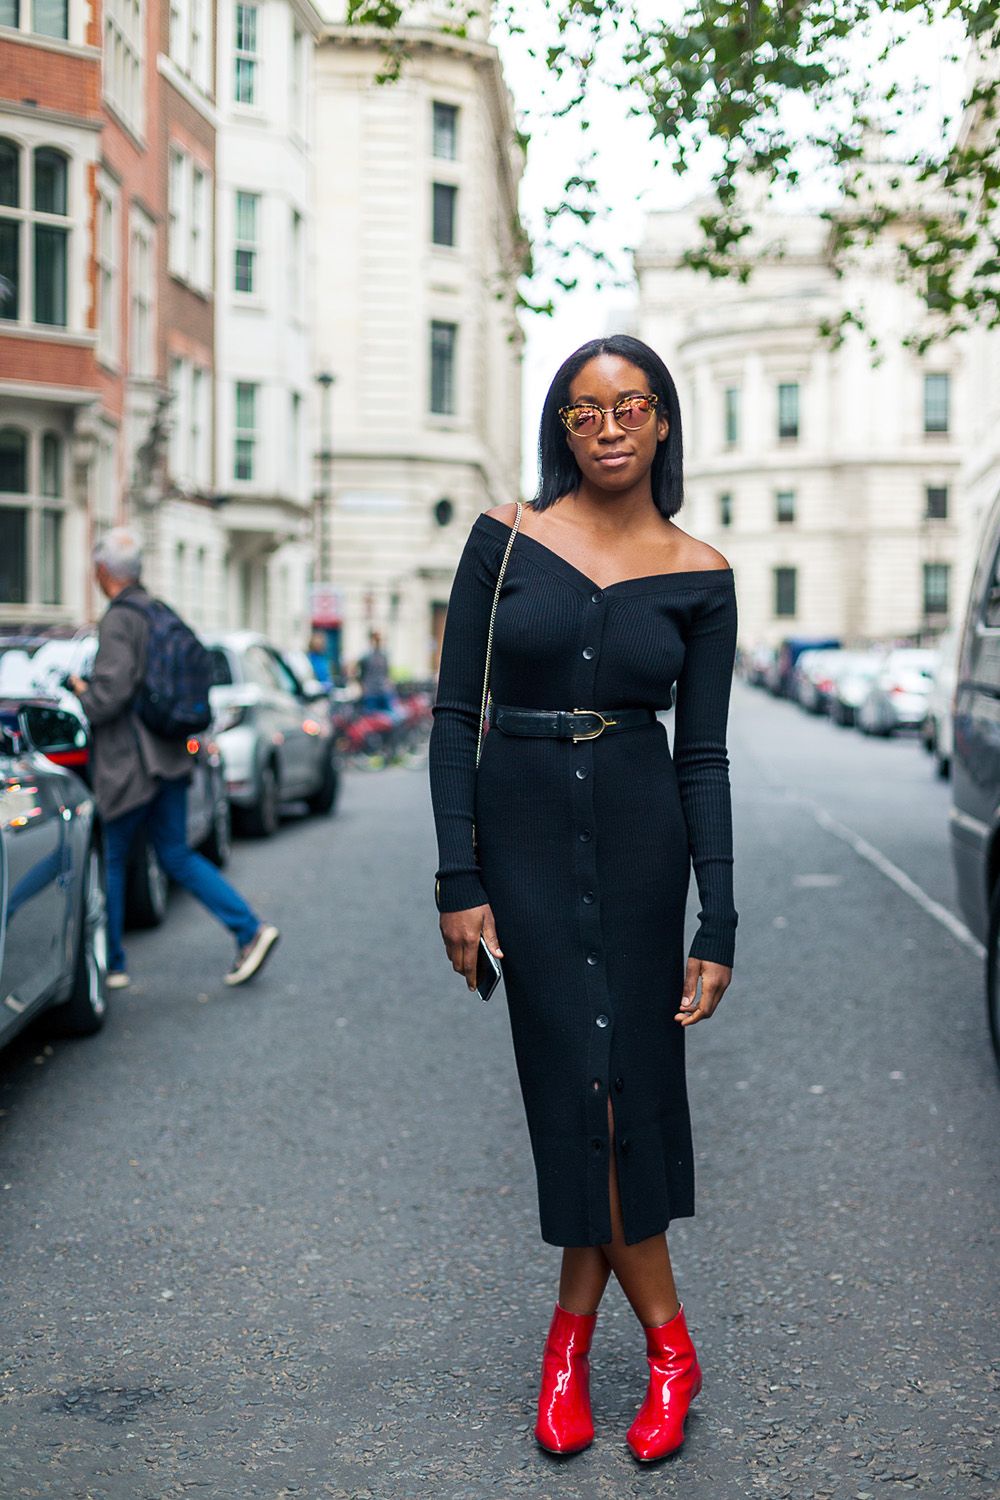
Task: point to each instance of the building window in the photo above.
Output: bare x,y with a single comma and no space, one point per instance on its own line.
124,22
177,213
937,403
10,231
297,82
45,17
295,264
445,131
246,431
196,432
30,524
177,380
784,506
444,337
731,407
936,588
198,270
140,290
788,410
51,236
52,466
784,590
198,50
245,270
725,510
445,200
936,502
245,80
107,272
294,441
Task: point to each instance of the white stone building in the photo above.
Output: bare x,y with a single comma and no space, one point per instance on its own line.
264,353
829,481
417,244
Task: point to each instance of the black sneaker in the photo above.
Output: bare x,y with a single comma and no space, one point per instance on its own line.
250,958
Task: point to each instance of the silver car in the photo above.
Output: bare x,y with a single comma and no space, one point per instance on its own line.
53,932
274,732
897,698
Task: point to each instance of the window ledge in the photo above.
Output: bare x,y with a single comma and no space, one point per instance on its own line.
50,43
46,334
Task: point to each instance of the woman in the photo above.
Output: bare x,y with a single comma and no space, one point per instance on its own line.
574,841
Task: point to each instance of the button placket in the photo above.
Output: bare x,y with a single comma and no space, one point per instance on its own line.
581,770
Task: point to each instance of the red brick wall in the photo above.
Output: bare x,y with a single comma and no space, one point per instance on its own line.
52,80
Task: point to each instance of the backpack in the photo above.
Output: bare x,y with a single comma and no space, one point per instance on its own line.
172,700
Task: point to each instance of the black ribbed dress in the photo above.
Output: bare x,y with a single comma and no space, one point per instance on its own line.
585,853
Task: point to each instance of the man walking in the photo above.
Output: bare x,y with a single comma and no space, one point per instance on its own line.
373,672
140,778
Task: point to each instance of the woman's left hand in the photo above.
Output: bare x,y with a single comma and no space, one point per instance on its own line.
715,980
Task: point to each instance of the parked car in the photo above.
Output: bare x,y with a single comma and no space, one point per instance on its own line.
275,734
897,696
814,679
780,675
936,730
53,932
853,675
975,767
208,829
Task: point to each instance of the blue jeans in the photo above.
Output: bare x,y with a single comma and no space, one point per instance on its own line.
165,818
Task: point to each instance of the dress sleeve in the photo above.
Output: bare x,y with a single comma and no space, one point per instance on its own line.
702,764
456,727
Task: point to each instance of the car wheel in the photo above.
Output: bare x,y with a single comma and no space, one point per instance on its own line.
942,766
262,819
86,1009
147,887
218,846
324,800
993,973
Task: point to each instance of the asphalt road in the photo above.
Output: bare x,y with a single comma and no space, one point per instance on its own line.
284,1242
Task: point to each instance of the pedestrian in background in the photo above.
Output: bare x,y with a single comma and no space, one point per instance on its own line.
140,778
373,674
573,842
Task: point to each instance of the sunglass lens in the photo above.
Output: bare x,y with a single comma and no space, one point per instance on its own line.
633,413
584,420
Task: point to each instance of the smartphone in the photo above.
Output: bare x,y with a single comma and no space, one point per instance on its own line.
488,971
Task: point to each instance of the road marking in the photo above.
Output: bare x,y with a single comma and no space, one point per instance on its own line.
898,877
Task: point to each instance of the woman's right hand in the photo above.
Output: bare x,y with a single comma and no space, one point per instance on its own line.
461,931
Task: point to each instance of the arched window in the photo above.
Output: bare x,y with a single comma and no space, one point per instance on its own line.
51,247
52,465
10,229
13,461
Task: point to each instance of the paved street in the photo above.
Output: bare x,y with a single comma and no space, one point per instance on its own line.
284,1241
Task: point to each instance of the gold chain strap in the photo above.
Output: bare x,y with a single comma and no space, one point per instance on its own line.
489,638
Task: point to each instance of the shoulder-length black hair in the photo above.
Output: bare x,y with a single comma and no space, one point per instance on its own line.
558,471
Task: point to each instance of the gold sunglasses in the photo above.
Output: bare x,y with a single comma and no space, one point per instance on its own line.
586,420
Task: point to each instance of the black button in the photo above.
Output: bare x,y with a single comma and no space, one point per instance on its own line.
597,1143
585,835
597,597
626,1145
602,1022
581,774
596,1085
589,653
619,1084
592,959
588,898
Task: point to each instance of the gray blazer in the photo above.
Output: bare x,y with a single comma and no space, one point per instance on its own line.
128,762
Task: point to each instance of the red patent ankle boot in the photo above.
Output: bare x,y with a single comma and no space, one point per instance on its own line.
674,1381
565,1424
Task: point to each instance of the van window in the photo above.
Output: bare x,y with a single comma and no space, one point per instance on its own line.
991,599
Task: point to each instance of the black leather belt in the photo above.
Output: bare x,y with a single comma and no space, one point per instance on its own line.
569,724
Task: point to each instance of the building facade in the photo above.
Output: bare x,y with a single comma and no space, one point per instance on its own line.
265,362
50,383
417,243
828,478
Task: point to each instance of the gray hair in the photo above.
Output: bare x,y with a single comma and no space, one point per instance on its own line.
120,551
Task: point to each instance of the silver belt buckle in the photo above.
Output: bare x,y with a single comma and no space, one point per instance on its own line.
592,713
